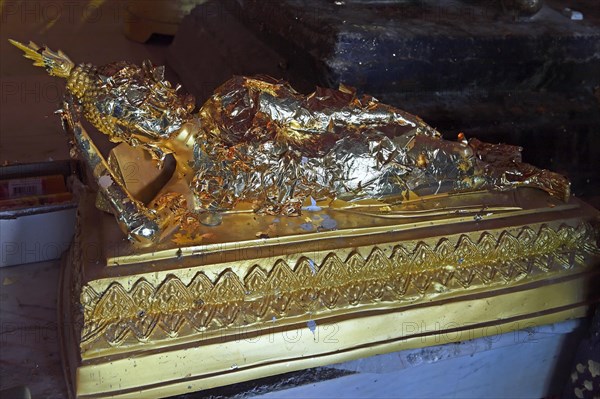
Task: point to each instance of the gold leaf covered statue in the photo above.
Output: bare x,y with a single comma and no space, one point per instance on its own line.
258,141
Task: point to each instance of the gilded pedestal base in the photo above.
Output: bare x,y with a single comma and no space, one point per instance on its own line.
154,323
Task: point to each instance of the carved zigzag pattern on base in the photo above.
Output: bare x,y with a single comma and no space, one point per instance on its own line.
412,271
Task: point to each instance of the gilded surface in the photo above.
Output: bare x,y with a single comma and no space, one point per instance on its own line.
260,144
274,289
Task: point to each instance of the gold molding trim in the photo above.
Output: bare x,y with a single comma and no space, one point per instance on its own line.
172,309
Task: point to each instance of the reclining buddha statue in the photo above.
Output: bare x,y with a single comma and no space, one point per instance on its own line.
258,141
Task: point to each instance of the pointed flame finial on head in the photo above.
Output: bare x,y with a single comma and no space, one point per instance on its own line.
55,63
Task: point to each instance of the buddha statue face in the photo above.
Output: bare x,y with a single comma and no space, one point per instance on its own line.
141,101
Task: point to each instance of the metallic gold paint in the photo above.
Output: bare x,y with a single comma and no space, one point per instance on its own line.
154,324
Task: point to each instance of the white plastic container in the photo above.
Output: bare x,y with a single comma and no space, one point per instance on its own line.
37,232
